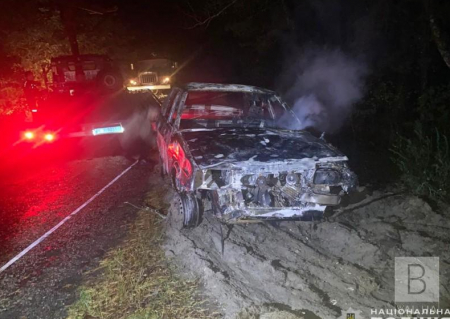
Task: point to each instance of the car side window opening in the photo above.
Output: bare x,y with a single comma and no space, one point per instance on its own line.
89,65
71,66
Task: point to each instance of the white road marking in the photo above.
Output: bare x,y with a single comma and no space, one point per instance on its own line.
43,237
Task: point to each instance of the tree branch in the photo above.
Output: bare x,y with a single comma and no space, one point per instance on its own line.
440,41
438,35
206,21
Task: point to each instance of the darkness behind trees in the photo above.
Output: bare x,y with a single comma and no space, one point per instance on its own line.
404,43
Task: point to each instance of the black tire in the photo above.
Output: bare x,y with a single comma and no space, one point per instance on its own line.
110,81
184,212
190,210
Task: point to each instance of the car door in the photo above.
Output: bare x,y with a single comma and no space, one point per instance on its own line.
165,127
179,164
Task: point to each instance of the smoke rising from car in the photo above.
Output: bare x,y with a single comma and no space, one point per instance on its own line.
138,137
327,84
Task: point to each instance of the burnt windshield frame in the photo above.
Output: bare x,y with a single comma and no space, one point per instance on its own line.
237,122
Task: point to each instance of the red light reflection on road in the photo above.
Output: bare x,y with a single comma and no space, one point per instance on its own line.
48,202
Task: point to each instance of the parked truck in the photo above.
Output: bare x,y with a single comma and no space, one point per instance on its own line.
85,72
153,74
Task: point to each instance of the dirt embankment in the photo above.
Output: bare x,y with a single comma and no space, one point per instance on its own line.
313,270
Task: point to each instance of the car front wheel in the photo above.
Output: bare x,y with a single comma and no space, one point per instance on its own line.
185,211
110,81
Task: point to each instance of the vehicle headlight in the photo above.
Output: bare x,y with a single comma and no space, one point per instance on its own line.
166,79
133,82
327,176
292,179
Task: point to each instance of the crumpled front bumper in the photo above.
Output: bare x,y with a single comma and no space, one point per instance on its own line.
321,199
307,212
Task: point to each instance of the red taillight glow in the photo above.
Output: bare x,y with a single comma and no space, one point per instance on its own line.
28,135
49,137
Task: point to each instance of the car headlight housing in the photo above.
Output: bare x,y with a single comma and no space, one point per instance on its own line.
133,82
166,80
327,177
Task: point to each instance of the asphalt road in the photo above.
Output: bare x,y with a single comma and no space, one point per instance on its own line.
36,197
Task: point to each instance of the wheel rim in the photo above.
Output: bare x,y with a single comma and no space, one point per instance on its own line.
109,80
189,210
181,210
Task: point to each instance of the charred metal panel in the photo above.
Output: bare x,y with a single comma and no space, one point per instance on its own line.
214,146
226,88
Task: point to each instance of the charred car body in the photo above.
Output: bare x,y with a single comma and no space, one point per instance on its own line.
226,151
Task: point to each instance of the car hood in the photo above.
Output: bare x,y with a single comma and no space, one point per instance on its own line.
212,147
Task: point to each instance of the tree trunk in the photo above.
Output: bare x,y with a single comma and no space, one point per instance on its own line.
67,14
441,43
438,35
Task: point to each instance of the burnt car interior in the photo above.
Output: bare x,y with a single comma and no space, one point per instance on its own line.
229,109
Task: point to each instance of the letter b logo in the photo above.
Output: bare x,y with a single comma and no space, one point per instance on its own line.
417,279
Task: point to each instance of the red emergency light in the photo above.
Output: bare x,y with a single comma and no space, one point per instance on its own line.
28,135
38,136
49,137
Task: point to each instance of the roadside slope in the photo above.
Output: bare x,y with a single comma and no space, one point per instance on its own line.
318,269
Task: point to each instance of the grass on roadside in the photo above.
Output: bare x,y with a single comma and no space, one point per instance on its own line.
138,282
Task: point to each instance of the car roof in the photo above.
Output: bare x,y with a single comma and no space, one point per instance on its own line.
197,86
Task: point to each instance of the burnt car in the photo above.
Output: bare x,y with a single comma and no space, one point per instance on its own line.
229,152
